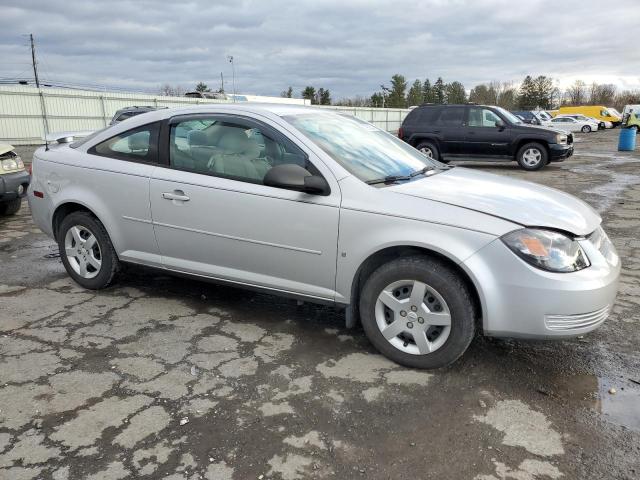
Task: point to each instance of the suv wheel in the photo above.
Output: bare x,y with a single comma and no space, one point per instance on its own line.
532,156
417,312
86,251
11,207
428,149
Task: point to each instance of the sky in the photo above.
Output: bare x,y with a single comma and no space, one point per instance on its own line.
349,47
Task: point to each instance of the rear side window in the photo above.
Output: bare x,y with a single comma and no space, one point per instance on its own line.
422,115
451,117
137,145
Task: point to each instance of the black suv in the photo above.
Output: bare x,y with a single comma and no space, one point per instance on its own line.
480,132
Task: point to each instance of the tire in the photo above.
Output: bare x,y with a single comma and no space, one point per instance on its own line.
442,289
429,149
11,207
84,224
532,156
585,129
602,126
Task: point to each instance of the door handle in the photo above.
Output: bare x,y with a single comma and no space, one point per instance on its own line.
175,195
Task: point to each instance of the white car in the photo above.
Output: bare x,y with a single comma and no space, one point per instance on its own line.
570,124
602,124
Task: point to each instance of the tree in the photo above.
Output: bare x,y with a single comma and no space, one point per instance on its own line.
602,94
415,95
576,93
288,93
171,91
427,92
481,95
527,95
396,98
455,93
324,96
543,91
439,94
202,87
377,100
309,93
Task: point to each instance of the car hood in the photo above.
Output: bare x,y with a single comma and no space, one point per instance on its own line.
521,202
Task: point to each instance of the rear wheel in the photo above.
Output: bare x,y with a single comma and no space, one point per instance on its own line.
532,156
586,129
429,149
86,251
11,207
417,312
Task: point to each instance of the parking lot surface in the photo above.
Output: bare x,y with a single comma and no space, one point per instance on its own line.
162,377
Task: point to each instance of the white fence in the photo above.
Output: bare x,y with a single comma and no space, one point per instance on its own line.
21,111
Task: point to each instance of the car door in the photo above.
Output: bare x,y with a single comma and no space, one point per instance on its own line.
449,127
213,216
483,137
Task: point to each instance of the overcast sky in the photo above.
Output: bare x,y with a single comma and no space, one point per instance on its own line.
350,47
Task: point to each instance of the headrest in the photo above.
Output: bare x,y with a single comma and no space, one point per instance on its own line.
234,140
197,137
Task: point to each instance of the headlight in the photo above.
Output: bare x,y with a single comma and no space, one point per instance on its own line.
546,249
20,163
561,139
9,164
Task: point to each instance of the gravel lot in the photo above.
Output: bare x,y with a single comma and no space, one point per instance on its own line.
159,377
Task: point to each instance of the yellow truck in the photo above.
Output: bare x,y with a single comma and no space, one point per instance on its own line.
595,111
631,117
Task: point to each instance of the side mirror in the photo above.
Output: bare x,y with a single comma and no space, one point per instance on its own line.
499,124
293,177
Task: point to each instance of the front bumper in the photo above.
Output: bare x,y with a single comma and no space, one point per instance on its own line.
558,152
519,300
10,184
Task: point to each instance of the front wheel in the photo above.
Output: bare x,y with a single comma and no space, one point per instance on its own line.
86,251
532,156
586,129
428,149
11,207
417,312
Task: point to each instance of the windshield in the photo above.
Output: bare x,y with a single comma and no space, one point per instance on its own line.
509,116
364,150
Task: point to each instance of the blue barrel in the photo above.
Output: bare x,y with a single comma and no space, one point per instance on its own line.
627,140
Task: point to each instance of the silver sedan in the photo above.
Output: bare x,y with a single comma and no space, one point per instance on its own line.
327,208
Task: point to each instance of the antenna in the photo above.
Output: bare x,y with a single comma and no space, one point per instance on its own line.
42,104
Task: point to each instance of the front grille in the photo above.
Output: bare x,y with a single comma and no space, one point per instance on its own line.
576,322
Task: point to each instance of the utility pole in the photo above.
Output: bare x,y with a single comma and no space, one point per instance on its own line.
221,82
33,60
233,78
40,94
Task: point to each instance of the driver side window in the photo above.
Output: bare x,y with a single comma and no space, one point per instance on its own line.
225,148
482,117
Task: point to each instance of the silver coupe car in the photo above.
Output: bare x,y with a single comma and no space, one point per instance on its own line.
327,208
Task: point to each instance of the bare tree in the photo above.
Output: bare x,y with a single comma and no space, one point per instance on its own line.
602,94
576,94
167,90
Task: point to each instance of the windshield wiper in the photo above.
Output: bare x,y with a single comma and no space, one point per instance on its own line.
389,179
398,178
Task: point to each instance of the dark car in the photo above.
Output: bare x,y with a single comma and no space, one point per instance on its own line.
129,112
481,132
527,117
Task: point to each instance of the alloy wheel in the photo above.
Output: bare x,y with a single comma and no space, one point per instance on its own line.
532,157
427,151
413,317
83,251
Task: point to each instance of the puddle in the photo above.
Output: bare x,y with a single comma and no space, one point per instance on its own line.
621,408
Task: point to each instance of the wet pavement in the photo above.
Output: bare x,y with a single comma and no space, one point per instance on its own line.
160,377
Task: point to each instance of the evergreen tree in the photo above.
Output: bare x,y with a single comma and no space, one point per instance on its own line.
427,92
288,93
527,95
202,87
455,93
324,97
396,98
439,94
415,95
376,100
309,93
